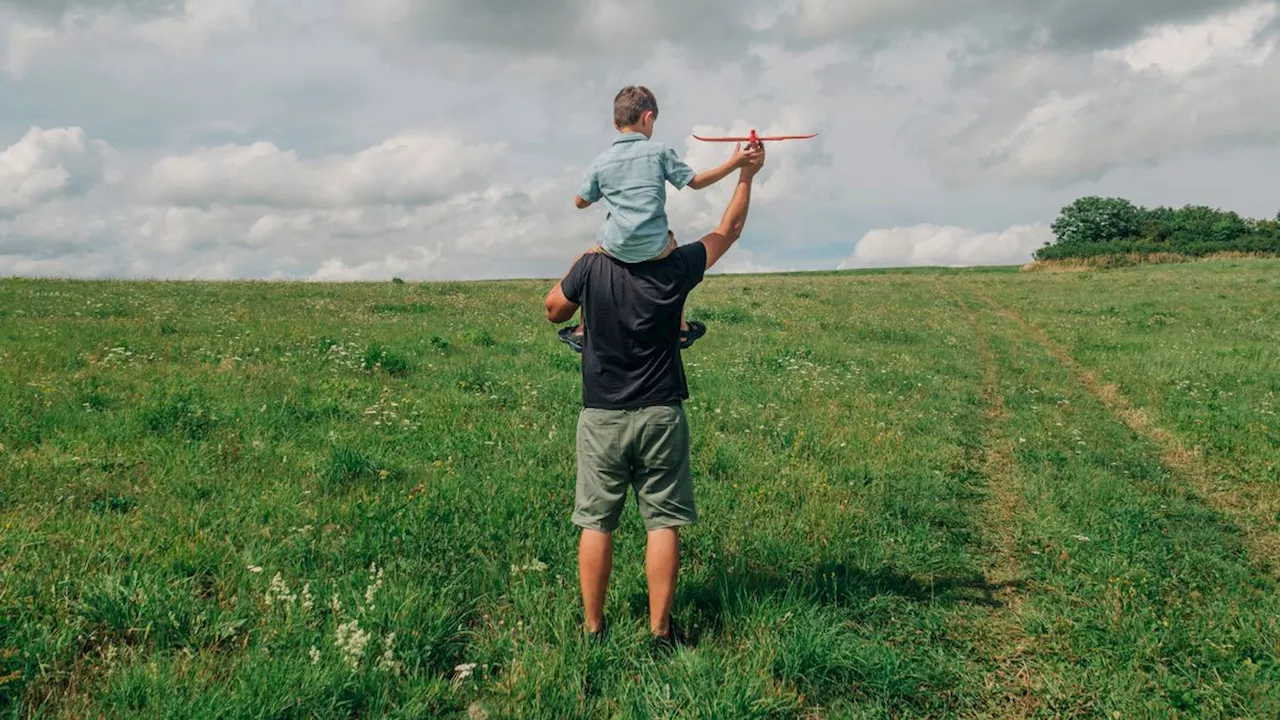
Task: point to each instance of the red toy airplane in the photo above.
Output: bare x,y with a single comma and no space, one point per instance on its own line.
754,139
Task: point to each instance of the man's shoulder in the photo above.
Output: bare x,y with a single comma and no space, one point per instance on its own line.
695,252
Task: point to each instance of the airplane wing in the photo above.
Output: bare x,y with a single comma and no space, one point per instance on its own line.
770,138
786,137
722,139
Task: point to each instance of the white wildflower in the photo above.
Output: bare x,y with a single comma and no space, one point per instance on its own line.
375,575
255,569
351,641
388,660
315,655
279,591
535,566
307,601
336,604
463,671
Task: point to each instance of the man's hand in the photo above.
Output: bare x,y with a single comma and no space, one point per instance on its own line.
580,203
752,160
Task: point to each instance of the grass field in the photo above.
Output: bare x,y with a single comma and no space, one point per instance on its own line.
923,494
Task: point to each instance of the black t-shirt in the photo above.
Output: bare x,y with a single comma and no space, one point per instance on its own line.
631,352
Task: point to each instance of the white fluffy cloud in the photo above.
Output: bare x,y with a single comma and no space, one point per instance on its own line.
1231,38
48,164
1053,118
931,245
410,169
502,231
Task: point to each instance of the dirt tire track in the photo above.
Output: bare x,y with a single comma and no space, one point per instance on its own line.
1253,506
1009,646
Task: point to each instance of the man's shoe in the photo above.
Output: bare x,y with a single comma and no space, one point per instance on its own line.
599,636
666,644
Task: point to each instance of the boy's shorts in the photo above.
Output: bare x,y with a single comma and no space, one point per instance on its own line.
645,450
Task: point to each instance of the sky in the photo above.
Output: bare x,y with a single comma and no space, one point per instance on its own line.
335,140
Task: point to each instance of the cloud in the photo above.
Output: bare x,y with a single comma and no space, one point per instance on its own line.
1003,24
931,245
49,164
94,29
201,20
25,43
595,35
1055,119
501,231
740,261
1229,38
409,169
966,113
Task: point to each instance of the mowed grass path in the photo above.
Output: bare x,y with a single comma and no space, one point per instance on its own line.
923,494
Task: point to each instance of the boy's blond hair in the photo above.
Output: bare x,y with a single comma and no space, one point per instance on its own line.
631,103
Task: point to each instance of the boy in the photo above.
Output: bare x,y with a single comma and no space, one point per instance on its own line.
631,178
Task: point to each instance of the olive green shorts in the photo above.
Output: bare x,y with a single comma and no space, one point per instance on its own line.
645,450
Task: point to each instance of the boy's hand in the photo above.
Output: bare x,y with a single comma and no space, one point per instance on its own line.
742,158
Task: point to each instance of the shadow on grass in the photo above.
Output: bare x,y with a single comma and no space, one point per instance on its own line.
703,605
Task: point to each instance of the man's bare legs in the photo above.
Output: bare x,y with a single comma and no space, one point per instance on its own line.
662,566
595,562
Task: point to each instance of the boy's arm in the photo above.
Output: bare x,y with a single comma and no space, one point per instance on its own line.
711,177
590,191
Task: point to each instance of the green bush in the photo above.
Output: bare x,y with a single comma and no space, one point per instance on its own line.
1093,227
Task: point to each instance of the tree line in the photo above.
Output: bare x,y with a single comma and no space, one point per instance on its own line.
1095,226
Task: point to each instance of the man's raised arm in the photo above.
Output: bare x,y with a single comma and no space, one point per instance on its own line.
729,230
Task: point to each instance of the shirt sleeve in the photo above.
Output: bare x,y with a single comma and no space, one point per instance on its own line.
575,281
590,190
694,256
675,169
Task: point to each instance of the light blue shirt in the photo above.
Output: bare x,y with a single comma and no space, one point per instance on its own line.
631,177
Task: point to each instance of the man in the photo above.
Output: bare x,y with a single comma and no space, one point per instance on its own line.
632,430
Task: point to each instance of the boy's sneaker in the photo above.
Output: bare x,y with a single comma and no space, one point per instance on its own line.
689,337
571,337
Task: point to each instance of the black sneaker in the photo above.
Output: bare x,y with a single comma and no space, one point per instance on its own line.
572,337
598,637
666,644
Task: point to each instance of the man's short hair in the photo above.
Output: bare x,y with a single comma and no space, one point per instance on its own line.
631,103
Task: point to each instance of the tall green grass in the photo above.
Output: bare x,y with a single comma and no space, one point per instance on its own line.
288,500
